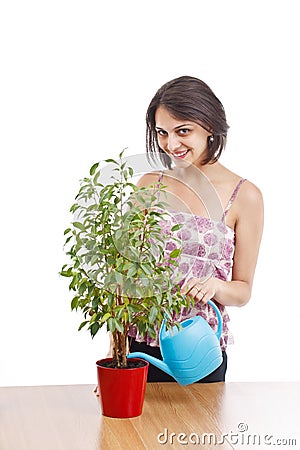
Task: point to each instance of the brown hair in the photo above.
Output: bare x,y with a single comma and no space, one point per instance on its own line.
188,98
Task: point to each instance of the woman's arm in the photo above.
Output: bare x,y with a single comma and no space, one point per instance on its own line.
248,208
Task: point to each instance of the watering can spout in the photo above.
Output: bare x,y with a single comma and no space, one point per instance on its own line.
156,362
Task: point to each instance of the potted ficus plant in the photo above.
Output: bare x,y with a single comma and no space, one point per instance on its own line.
121,275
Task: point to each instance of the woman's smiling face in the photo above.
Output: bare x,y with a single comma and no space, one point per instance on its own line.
184,141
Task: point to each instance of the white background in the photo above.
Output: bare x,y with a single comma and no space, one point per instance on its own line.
76,80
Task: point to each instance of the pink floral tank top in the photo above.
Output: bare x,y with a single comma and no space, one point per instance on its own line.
207,250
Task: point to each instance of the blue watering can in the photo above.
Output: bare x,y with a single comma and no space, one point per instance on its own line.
189,353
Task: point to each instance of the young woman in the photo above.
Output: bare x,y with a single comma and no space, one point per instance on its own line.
221,212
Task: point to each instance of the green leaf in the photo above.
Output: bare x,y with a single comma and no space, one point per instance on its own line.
93,168
119,326
140,291
74,207
176,227
111,299
147,269
94,318
74,303
118,234
175,253
111,324
82,288
153,314
105,317
68,239
96,177
122,152
82,325
119,277
66,273
141,199
79,225
94,328
132,271
94,260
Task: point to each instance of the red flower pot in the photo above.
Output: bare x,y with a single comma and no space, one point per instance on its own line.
122,391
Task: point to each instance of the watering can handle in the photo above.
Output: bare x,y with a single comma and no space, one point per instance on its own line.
219,317
163,330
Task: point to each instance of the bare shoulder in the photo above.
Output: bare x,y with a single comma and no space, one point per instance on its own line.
148,179
249,207
250,194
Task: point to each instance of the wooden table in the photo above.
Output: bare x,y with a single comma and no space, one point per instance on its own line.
212,416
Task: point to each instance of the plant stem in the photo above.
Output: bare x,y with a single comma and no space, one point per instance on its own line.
119,353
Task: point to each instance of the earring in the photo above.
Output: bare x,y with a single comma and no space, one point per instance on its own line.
211,139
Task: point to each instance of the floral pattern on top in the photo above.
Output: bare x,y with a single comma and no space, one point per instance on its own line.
207,251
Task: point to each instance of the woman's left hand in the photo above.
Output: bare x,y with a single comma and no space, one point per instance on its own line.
201,291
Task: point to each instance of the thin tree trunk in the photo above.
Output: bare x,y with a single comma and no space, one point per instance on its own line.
119,351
